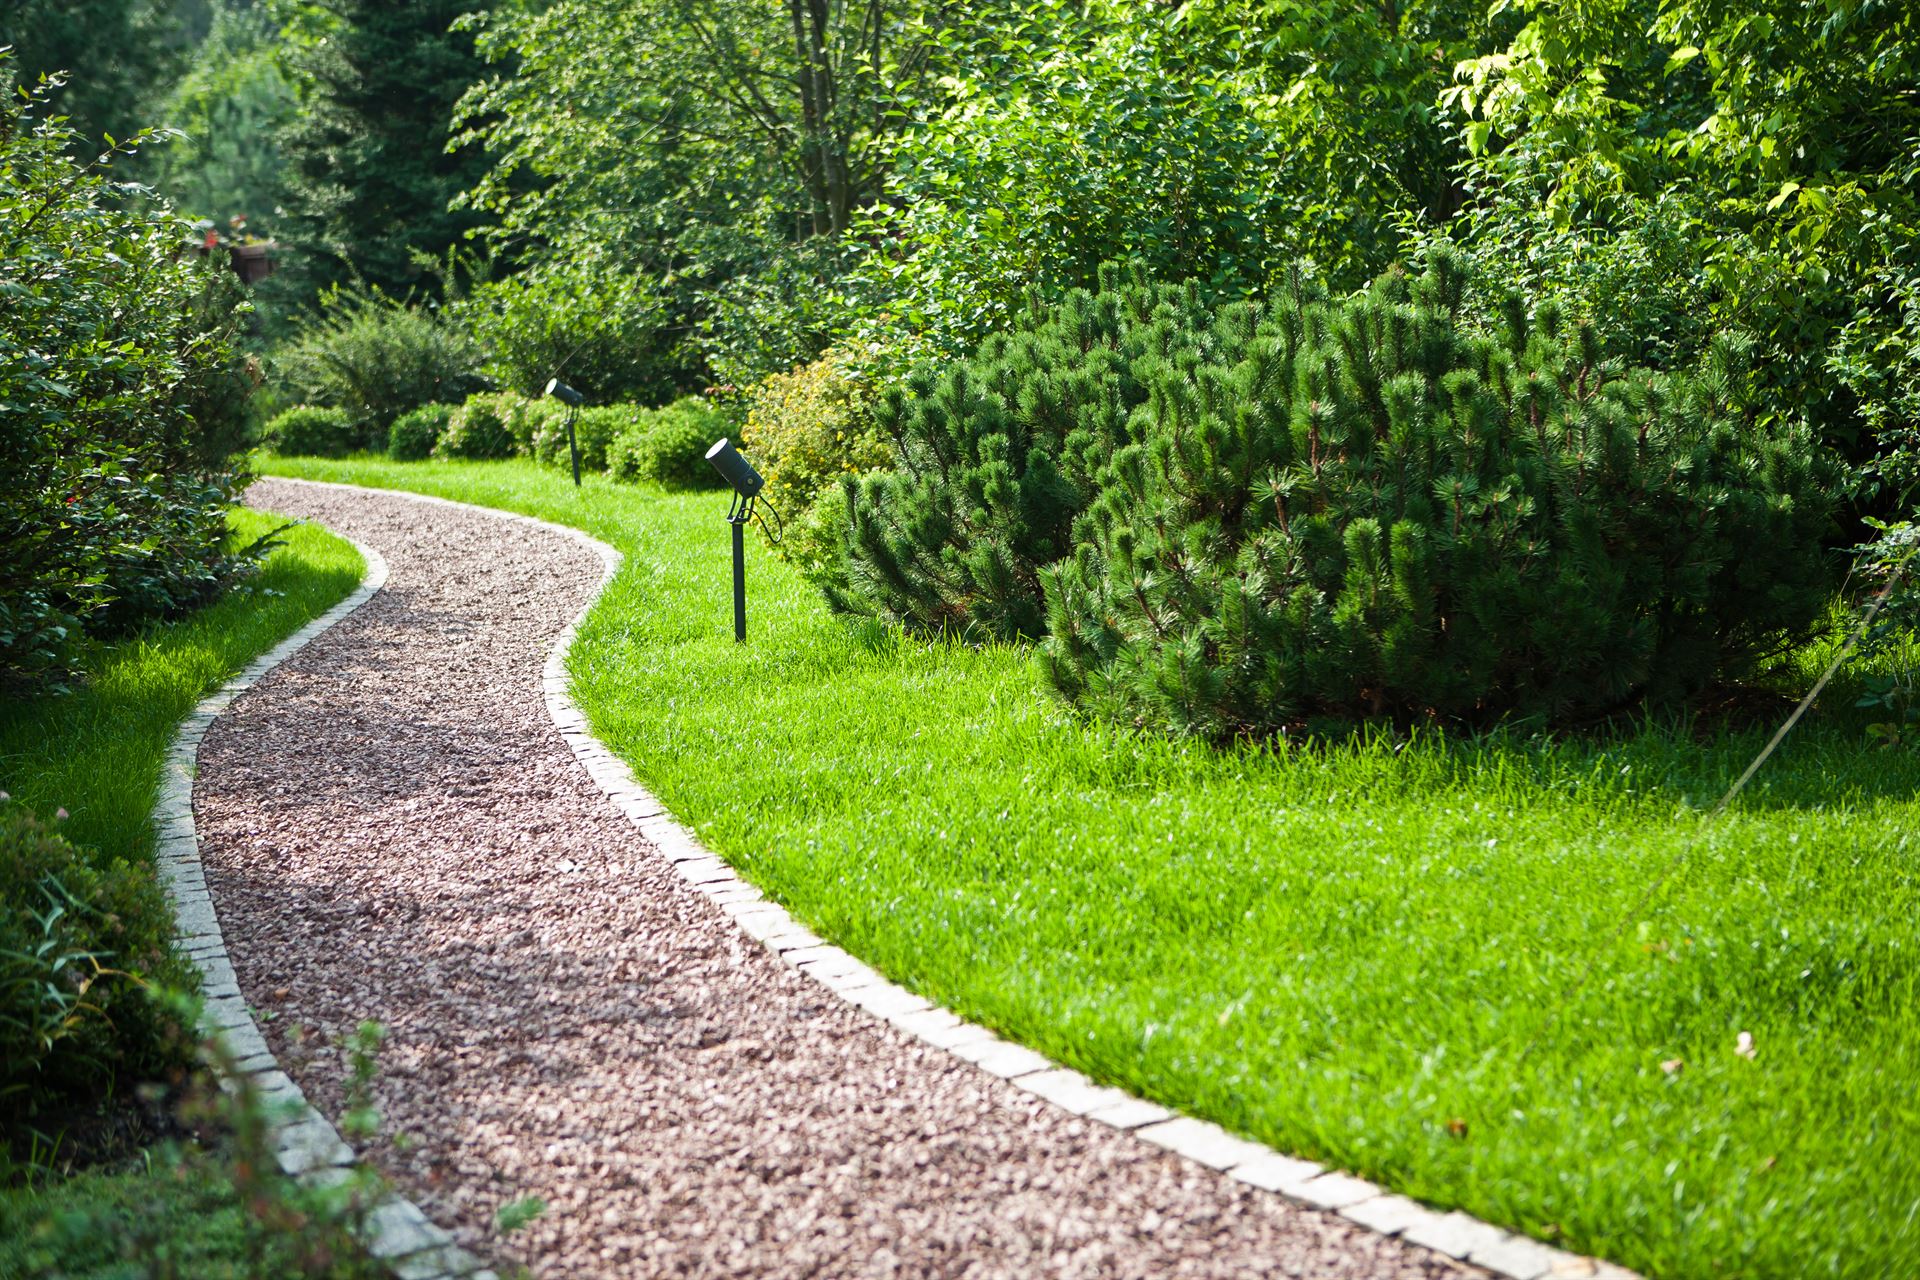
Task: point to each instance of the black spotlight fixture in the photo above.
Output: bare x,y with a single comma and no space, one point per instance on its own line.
573,400
746,484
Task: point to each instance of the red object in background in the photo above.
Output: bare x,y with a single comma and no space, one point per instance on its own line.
213,238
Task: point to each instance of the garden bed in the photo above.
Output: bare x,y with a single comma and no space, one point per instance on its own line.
1346,950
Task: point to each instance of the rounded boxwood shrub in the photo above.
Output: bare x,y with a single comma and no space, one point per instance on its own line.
313,431
594,432
79,944
668,446
482,428
414,434
1385,509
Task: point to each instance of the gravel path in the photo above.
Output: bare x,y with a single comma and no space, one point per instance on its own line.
394,830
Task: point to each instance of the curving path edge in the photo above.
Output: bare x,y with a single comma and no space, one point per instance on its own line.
309,1148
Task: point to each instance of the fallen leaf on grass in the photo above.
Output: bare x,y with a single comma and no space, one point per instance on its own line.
1673,1066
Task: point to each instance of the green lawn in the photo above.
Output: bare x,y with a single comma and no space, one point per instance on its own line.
97,753
1341,952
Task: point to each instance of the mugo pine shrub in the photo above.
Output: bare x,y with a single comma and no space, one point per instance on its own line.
1379,511
997,455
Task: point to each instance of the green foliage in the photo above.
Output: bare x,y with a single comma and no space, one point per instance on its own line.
368,174
1794,121
806,431
484,427
1028,177
996,456
1378,510
120,54
79,944
123,391
312,430
590,321
376,358
230,108
415,433
594,432
668,446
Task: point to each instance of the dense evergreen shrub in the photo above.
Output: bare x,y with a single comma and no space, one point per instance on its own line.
668,446
78,943
806,431
997,454
310,430
1378,509
376,358
483,427
121,390
415,433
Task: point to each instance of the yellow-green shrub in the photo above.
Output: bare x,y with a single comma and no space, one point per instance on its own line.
805,431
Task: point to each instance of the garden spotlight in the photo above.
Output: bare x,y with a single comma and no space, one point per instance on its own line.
746,484
573,400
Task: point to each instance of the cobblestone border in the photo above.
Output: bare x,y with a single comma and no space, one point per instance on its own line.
306,1145
1455,1234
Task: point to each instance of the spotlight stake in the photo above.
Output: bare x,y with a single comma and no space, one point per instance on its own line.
746,484
572,399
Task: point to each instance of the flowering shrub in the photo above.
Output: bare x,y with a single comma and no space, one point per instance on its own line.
806,430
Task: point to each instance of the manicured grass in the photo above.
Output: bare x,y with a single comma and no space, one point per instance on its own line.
97,751
1342,951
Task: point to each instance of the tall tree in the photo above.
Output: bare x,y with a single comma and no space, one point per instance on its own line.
121,55
369,176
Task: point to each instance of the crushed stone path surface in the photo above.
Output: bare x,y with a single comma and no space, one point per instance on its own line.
394,830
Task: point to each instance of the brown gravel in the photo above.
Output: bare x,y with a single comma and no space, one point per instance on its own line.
394,830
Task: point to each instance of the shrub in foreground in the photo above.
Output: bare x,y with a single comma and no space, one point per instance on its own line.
312,431
78,945
1381,510
997,455
806,432
668,446
415,433
123,398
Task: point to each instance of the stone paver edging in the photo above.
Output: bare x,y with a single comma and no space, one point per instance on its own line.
307,1146
312,1141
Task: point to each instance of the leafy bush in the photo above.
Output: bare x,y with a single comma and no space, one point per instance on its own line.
668,446
376,358
1378,510
997,455
594,433
77,944
806,431
483,427
309,430
415,433
121,385
594,322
